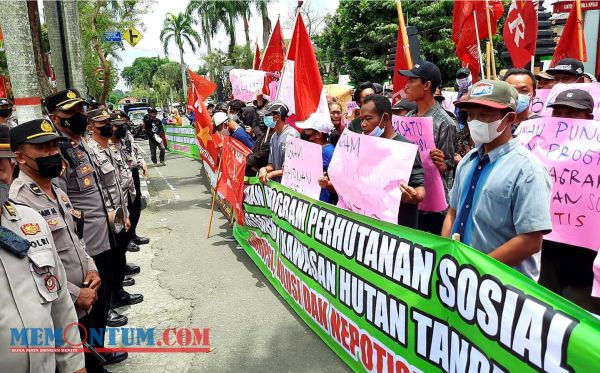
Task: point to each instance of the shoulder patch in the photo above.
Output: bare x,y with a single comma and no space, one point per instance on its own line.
36,189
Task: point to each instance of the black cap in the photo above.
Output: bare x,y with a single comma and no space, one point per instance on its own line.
463,71
276,107
404,104
5,151
36,131
567,66
119,118
98,115
63,100
5,101
426,71
574,98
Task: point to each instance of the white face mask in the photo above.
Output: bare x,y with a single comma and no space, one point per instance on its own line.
377,131
484,133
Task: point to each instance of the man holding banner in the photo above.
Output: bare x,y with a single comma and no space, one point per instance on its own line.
500,201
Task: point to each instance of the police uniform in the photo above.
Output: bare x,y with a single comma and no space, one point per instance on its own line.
33,289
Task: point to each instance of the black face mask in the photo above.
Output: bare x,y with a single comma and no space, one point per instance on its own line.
77,123
50,166
121,132
305,137
5,113
106,131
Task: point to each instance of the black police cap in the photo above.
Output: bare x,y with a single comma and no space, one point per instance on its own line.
63,100
36,131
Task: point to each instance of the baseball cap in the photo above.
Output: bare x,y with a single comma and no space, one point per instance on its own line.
63,100
36,131
567,66
491,93
5,151
574,98
463,71
276,107
404,104
98,115
219,118
426,71
318,121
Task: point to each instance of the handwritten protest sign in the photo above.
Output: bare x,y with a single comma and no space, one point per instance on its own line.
539,101
449,98
367,172
245,83
570,150
303,166
420,132
592,88
273,87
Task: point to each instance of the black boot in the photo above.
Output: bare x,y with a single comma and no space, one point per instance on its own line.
115,319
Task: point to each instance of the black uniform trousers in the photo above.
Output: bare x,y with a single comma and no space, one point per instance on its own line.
86,324
99,311
119,263
135,206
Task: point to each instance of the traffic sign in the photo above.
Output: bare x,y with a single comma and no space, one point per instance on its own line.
112,36
132,36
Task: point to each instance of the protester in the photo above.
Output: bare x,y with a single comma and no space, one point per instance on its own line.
175,118
155,130
316,129
568,70
463,83
246,116
403,107
524,82
544,80
423,79
275,115
223,122
500,201
567,269
440,98
259,157
573,103
33,296
364,89
261,101
376,120
335,115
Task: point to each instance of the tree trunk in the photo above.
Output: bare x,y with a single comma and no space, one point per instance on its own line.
100,52
56,47
183,75
36,37
231,32
246,30
208,47
266,24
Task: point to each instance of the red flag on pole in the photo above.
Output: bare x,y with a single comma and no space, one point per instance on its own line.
464,33
231,177
301,87
571,39
274,56
520,31
199,89
256,64
401,63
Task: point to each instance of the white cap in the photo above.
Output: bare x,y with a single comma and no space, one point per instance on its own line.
317,121
219,118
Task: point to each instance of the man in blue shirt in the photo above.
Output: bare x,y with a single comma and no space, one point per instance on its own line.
235,130
500,200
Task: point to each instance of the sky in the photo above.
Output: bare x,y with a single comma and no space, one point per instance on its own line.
151,46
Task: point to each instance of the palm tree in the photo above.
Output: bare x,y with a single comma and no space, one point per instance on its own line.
262,8
208,14
179,28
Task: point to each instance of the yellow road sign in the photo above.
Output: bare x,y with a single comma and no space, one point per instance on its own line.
132,36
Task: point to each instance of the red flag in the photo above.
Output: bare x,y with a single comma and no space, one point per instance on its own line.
400,63
568,45
275,52
231,179
301,87
520,40
199,89
463,33
256,64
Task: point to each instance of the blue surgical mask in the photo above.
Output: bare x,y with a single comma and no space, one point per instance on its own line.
377,131
523,103
269,122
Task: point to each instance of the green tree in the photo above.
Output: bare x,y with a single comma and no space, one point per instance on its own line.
262,7
179,28
141,72
207,13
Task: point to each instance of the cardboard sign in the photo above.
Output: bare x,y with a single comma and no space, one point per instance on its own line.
245,83
592,88
302,167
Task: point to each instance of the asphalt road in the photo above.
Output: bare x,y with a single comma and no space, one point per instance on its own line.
191,281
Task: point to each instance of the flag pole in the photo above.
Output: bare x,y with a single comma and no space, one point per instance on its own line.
214,193
489,26
487,60
402,26
579,29
478,43
533,56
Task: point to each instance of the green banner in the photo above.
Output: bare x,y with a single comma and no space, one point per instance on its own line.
389,298
182,140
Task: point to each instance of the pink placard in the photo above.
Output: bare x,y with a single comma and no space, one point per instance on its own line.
245,83
596,286
570,150
449,98
592,88
420,132
539,101
367,172
302,167
273,87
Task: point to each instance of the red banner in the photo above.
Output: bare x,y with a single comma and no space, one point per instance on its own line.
231,178
566,6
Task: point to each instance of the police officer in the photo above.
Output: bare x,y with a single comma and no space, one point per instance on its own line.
80,181
130,152
35,146
6,112
33,284
115,198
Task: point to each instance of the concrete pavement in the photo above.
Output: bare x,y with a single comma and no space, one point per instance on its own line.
191,281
